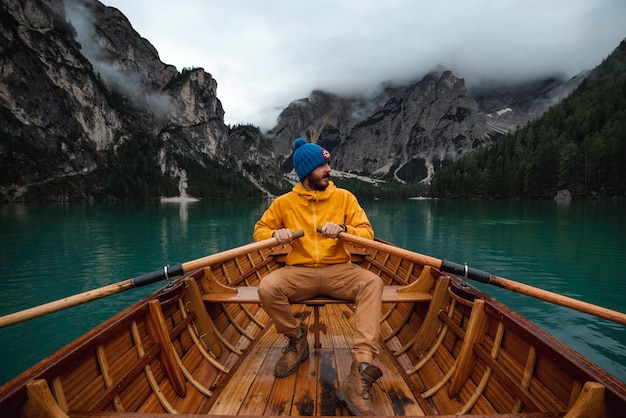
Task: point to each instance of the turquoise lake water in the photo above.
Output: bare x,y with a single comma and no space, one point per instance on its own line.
53,251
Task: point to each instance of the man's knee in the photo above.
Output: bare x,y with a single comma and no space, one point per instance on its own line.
267,287
262,292
375,281
371,285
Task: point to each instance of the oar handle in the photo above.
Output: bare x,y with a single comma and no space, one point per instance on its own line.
167,272
484,277
409,255
228,254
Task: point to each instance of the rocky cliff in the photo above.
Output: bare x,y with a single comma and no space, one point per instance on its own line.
78,85
405,133
88,110
402,134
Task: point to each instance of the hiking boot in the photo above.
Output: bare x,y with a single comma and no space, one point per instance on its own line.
356,390
296,352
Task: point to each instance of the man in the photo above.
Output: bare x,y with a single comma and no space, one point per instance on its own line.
320,265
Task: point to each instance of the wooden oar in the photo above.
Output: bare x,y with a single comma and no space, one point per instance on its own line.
484,277
167,272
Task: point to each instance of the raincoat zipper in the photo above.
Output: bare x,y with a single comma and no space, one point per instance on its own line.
315,223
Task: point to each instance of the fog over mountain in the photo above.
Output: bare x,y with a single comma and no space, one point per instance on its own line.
266,54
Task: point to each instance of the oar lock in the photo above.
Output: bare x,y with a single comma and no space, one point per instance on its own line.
167,275
465,274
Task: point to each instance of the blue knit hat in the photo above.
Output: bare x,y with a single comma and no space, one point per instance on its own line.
307,157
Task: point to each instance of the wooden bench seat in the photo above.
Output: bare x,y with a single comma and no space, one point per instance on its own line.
250,294
216,292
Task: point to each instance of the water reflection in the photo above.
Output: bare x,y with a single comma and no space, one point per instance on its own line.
182,204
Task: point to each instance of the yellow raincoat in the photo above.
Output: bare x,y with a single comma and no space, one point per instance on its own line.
306,210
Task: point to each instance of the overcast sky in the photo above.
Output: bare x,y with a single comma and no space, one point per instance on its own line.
265,54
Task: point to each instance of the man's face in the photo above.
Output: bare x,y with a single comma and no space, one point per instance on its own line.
318,178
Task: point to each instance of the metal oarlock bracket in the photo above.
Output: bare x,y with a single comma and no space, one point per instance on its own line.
167,275
465,274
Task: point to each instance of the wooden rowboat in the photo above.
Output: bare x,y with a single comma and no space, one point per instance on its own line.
203,345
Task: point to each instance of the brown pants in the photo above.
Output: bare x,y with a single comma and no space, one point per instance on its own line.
341,281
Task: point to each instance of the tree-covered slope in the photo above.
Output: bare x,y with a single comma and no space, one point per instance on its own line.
579,144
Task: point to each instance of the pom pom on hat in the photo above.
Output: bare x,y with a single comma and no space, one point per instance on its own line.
299,142
307,157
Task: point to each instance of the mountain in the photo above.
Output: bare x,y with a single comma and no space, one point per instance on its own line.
405,133
89,111
577,149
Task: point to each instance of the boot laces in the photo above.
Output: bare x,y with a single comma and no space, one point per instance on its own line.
366,387
291,346
367,381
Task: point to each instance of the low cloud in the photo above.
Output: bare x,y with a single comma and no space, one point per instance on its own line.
265,54
124,81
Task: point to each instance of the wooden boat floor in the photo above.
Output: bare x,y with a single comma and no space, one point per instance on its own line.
251,389
254,390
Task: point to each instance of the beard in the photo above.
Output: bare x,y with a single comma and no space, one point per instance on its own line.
319,183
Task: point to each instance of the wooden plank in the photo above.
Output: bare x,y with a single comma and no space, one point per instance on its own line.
430,327
130,375
204,324
512,385
325,338
401,400
40,402
233,394
83,384
259,392
108,381
590,402
59,393
306,388
342,319
402,294
340,325
343,361
281,397
158,329
243,294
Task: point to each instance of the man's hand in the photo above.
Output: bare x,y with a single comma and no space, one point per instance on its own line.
283,236
331,230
